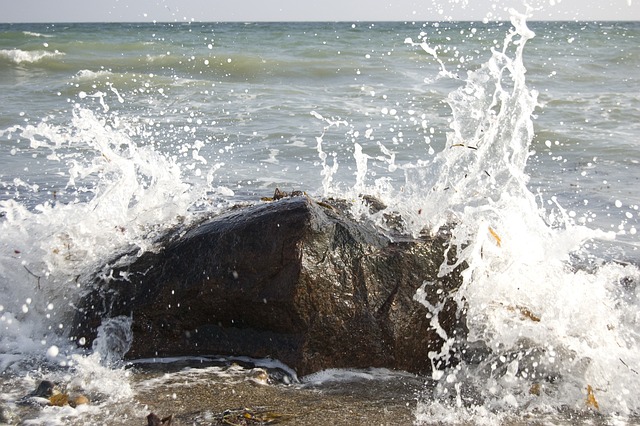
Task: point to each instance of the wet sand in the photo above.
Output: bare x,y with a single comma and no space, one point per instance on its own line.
245,395
238,395
205,404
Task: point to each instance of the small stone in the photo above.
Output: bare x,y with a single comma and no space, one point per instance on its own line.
78,400
259,376
44,390
535,389
154,420
59,400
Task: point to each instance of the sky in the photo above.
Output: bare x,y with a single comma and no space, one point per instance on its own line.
309,10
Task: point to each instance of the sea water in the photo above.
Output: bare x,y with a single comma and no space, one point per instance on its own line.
525,135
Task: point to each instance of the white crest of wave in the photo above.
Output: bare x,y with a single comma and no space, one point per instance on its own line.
34,34
19,56
91,75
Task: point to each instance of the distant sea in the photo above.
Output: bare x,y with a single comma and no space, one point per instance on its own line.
111,133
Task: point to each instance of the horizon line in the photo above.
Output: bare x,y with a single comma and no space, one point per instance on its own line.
339,21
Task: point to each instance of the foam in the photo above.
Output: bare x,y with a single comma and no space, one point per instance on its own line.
126,195
19,56
92,75
333,375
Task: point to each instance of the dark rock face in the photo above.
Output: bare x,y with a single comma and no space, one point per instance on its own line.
293,280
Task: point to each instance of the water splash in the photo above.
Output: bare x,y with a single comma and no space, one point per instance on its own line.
327,172
120,194
543,329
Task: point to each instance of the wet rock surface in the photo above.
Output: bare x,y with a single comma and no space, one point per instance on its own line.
293,280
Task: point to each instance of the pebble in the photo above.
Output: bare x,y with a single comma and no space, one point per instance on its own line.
154,420
44,390
79,400
47,393
259,376
59,399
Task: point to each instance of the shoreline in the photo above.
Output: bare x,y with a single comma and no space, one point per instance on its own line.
212,394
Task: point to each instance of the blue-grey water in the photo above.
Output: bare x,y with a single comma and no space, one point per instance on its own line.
110,133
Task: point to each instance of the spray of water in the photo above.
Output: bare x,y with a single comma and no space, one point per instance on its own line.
544,333
550,327
120,194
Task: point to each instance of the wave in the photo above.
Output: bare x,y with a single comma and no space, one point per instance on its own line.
18,56
34,34
92,75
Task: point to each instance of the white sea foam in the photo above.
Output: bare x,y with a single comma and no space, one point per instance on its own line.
558,334
133,193
92,75
126,193
19,56
34,34
347,375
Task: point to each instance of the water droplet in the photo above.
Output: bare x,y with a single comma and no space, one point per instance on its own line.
53,351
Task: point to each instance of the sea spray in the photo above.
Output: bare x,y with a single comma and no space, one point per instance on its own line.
120,195
328,171
550,333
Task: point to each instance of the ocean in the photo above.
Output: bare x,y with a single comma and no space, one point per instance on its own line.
525,135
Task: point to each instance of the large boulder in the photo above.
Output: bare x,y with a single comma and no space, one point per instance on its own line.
294,280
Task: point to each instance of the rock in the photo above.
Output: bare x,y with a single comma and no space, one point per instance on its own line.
293,280
259,376
59,399
41,395
79,400
48,393
44,390
154,420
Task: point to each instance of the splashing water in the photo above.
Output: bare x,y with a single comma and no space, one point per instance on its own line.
120,196
550,326
544,332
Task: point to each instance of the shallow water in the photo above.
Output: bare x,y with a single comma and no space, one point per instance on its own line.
207,392
112,133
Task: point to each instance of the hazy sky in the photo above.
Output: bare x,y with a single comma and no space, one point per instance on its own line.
307,10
